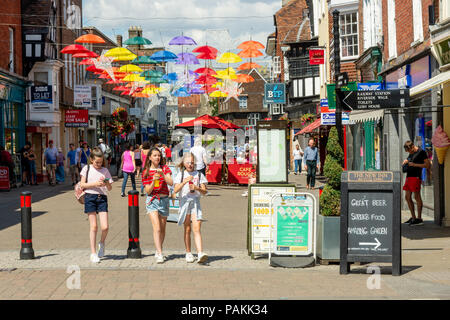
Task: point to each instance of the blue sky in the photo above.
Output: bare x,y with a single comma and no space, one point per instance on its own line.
222,24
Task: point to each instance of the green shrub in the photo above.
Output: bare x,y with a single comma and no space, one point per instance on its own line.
332,170
330,202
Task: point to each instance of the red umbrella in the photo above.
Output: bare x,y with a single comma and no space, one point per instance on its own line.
206,50
205,79
243,78
205,71
94,69
205,121
228,124
87,54
208,88
114,82
86,62
74,48
120,88
207,56
104,76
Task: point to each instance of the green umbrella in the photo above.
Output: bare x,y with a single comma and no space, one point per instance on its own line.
152,74
143,60
156,80
137,41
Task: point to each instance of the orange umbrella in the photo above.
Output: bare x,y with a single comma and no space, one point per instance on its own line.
250,53
251,45
248,66
243,78
89,38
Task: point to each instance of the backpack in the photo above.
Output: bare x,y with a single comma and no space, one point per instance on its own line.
79,192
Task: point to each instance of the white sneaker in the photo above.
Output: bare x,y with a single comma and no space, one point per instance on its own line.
202,257
101,250
189,257
94,258
159,258
245,194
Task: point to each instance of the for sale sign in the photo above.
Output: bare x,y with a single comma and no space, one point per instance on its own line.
77,118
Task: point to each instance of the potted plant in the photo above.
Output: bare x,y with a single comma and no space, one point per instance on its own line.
328,221
120,125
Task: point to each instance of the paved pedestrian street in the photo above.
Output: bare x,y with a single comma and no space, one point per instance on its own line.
61,244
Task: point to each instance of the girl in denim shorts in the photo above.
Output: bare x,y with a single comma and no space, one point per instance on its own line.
96,182
156,178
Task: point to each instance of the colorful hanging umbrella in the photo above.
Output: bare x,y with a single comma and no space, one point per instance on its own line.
250,45
227,124
206,50
182,92
250,53
86,62
228,73
206,79
87,54
120,88
130,68
73,49
205,71
119,51
89,38
125,57
94,69
170,76
245,78
137,41
152,74
187,58
229,57
182,41
218,94
143,60
248,66
163,55
133,78
156,80
209,89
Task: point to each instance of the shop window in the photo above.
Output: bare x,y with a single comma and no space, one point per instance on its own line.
348,24
41,78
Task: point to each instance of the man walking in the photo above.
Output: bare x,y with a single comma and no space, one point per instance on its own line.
50,155
298,156
312,163
72,164
413,166
200,156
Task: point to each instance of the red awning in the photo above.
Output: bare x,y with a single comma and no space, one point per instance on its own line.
209,122
309,127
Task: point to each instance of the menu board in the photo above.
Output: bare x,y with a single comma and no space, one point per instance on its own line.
259,216
370,222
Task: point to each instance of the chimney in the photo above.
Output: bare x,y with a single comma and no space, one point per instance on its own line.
119,40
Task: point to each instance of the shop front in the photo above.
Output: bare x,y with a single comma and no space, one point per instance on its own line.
12,117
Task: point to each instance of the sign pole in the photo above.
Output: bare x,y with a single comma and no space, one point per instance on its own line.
337,70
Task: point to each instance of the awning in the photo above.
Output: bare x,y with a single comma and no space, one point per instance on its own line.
430,83
309,127
364,115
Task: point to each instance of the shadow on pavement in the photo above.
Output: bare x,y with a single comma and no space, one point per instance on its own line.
427,231
8,219
122,257
383,269
210,258
46,255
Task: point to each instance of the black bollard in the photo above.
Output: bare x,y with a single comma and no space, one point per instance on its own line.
134,251
26,250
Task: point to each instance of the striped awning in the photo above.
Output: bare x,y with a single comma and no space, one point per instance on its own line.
364,115
309,127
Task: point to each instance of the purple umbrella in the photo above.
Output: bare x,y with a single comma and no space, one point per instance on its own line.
187,58
182,41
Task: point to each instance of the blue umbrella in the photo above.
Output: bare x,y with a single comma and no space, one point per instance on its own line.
170,76
164,55
182,92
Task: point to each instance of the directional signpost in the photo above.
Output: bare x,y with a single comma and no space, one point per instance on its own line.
370,219
372,100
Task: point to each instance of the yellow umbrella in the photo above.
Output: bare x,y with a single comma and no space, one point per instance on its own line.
125,58
151,90
217,85
228,73
134,78
218,94
130,68
117,52
229,57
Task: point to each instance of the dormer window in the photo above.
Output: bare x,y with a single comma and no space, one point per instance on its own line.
33,46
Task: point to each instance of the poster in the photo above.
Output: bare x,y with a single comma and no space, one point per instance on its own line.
41,97
239,173
260,218
77,118
292,224
82,96
272,155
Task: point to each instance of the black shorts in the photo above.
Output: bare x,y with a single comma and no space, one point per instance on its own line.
95,203
138,162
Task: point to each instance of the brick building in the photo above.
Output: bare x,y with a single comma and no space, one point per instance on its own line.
12,83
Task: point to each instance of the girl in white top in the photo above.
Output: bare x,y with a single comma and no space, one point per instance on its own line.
191,184
96,182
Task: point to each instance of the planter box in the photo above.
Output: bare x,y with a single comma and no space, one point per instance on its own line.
328,237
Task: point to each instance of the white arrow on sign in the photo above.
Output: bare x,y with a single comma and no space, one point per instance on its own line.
376,244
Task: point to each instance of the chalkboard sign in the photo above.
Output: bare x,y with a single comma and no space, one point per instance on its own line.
370,219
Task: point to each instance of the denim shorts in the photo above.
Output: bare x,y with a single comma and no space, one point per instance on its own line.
95,203
162,205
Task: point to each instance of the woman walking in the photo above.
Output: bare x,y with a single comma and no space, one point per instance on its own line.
191,183
298,155
85,153
156,178
32,163
144,155
128,167
96,182
137,159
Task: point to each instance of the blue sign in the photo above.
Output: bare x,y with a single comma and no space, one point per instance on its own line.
275,93
41,97
103,100
369,86
324,102
151,130
329,118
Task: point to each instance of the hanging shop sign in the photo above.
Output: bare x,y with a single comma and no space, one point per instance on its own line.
316,56
77,118
82,96
275,93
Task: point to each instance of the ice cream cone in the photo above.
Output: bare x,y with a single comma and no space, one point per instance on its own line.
441,152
